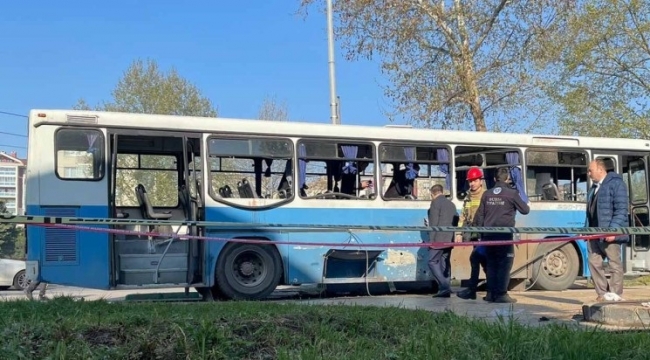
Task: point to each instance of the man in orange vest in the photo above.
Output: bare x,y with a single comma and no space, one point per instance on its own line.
472,201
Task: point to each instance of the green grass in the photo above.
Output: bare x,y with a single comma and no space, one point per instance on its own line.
637,281
66,329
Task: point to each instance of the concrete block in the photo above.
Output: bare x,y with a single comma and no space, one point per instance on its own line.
621,313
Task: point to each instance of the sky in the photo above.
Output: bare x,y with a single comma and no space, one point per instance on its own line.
53,54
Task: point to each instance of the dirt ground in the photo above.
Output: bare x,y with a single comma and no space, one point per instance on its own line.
532,307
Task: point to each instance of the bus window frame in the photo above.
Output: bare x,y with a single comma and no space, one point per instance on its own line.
490,149
179,174
350,141
208,177
416,145
645,201
56,150
584,151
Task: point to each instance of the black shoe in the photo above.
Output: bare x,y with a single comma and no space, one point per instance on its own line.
488,297
504,299
467,294
442,294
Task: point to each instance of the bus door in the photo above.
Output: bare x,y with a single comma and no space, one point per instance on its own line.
150,182
193,203
72,183
637,256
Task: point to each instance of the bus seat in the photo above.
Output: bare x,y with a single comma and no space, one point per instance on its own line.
190,204
400,187
199,191
249,189
286,184
550,192
146,208
225,191
184,199
245,190
284,189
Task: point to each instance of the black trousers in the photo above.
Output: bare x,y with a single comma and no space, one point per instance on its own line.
499,264
477,260
440,265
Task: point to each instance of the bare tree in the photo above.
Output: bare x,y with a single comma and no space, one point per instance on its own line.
272,109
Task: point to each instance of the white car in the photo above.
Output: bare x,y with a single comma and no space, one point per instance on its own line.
12,274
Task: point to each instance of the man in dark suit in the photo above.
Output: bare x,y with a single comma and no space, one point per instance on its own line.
442,212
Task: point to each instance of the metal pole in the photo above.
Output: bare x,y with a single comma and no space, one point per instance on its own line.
330,43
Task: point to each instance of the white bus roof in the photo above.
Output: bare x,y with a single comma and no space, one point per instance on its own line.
299,129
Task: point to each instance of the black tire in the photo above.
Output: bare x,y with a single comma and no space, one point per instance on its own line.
557,270
20,280
248,271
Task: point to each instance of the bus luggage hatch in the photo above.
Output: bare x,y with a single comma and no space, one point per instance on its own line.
349,266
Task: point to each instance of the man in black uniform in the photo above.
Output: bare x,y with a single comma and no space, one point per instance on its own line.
499,207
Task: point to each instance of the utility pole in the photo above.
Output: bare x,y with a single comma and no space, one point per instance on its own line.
334,115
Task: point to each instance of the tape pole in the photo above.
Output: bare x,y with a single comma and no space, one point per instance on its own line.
328,244
271,227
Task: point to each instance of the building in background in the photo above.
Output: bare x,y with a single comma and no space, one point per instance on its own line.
12,182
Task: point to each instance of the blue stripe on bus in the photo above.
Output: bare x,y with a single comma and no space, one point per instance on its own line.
302,264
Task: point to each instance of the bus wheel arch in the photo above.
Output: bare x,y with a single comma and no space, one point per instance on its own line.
559,269
246,271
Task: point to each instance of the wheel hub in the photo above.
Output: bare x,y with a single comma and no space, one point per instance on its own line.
247,268
556,263
23,282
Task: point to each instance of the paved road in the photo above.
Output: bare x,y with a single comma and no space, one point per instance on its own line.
89,294
17,294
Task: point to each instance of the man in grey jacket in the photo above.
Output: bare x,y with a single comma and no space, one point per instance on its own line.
442,212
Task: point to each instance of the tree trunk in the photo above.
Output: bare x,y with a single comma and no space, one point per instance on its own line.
472,97
475,107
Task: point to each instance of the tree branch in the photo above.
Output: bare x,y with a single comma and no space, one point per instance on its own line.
491,21
446,30
639,32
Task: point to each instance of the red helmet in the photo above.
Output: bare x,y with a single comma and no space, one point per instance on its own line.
474,173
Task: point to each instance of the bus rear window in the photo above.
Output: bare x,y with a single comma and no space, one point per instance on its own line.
79,154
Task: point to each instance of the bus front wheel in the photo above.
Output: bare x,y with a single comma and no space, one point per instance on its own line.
248,271
557,270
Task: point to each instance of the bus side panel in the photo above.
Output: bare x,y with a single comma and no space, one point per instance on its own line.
306,264
67,256
216,239
575,217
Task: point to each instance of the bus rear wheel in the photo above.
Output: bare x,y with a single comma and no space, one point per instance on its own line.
248,271
557,270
